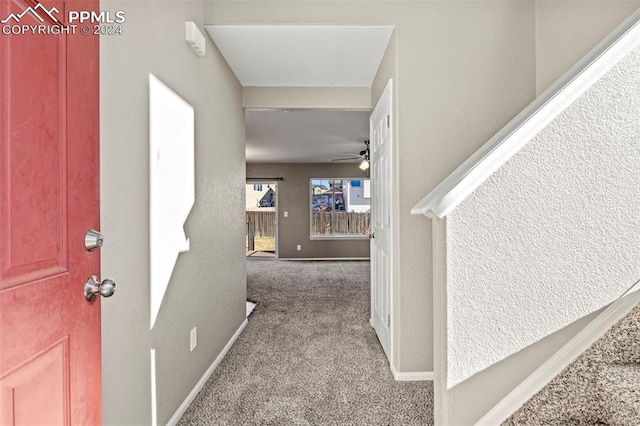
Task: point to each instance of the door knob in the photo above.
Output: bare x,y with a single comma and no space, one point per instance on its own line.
93,287
93,240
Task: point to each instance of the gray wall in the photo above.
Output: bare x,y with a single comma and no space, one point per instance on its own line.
551,237
568,30
293,197
463,69
207,288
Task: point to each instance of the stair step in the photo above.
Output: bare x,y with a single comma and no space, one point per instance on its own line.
621,345
620,394
601,387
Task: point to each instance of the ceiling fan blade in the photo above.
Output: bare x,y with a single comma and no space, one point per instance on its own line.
346,159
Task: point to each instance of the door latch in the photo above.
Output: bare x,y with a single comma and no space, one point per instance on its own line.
94,287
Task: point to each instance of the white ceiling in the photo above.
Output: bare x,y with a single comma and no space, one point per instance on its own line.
302,56
304,136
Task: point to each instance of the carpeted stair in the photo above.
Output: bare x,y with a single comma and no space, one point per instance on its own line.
601,387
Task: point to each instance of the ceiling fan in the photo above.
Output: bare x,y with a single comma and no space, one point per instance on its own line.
363,156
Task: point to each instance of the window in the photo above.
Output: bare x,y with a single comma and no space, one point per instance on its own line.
340,208
257,187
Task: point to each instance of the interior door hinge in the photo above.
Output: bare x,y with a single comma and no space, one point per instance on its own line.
389,320
388,121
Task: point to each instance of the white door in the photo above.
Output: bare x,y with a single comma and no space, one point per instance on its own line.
380,125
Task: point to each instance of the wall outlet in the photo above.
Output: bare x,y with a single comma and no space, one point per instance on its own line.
286,214
194,338
298,247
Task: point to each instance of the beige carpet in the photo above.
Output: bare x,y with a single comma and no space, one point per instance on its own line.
309,356
601,387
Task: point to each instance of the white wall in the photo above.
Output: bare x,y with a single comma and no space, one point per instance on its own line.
552,236
207,288
355,197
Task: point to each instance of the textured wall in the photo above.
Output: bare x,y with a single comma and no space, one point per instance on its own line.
208,286
293,197
553,235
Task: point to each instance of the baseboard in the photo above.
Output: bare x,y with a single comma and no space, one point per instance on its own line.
412,376
561,359
323,258
183,407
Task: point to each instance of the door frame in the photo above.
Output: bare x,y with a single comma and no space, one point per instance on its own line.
276,224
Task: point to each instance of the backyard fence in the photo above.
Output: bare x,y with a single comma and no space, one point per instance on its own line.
343,223
261,222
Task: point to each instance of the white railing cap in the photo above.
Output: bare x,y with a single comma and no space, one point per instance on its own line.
511,138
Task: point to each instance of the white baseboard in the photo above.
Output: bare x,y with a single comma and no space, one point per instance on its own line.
323,258
561,359
412,376
183,407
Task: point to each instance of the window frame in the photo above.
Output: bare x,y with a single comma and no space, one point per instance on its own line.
310,209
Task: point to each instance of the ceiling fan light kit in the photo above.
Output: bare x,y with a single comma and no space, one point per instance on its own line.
363,156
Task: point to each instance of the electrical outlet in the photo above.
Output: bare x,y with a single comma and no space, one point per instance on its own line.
299,247
194,338
286,214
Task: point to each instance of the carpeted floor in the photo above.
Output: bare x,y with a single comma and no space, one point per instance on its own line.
308,356
601,387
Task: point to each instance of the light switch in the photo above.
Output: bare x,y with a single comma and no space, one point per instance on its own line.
286,214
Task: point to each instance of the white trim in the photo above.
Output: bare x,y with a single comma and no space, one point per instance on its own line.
323,258
442,409
337,237
511,138
561,359
189,399
154,394
411,376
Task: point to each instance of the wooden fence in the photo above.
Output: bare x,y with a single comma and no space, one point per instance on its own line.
343,223
262,223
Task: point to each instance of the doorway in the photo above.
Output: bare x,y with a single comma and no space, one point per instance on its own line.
261,236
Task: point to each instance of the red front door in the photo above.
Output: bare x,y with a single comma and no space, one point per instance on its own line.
49,198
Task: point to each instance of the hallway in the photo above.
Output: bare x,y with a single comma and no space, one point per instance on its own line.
309,356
